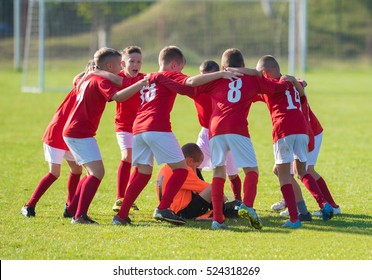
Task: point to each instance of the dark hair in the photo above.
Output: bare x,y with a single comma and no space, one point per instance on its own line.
192,150
103,55
232,58
209,66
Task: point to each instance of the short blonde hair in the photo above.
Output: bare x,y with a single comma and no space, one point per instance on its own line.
104,55
131,49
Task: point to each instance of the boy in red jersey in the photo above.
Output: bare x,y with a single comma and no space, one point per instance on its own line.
228,131
317,130
126,111
203,105
290,137
83,122
55,150
153,136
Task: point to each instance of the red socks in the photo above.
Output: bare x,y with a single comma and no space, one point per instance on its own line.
72,183
290,201
136,185
174,184
41,188
314,189
250,188
217,199
123,178
75,200
236,187
87,193
327,195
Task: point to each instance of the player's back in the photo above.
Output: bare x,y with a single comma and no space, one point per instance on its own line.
157,101
286,113
53,133
89,106
231,101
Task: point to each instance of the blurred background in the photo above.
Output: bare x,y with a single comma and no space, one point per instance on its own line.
44,38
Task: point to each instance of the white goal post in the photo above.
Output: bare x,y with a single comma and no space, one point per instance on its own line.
41,40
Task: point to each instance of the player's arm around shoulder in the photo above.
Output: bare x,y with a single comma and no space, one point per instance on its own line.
129,91
202,79
295,83
115,79
245,71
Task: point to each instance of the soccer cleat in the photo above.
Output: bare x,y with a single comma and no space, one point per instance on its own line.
289,224
217,225
117,205
230,209
305,217
83,219
284,213
119,202
116,220
280,205
327,212
135,207
66,214
28,211
336,211
168,216
250,215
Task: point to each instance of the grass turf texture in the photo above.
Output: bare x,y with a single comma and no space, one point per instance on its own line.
340,99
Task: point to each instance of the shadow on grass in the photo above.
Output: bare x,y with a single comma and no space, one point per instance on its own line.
272,223
345,223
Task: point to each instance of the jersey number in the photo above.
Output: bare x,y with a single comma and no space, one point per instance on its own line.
291,105
234,94
148,93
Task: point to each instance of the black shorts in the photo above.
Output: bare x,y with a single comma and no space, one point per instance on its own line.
197,207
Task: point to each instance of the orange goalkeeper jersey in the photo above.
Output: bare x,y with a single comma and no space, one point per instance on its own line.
193,184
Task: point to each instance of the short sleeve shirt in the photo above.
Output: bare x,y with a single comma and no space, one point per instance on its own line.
90,103
192,184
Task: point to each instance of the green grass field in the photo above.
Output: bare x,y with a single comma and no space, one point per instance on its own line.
342,101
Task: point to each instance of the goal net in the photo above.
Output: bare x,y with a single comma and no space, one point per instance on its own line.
62,35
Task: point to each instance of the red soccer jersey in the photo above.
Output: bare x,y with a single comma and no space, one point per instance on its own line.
126,111
53,133
231,101
89,106
157,101
286,113
203,105
310,116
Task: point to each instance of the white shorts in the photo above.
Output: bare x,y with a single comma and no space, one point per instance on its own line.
240,146
291,147
161,145
84,150
312,157
203,143
55,155
125,140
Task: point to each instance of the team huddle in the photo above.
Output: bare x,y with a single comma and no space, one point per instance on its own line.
222,98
